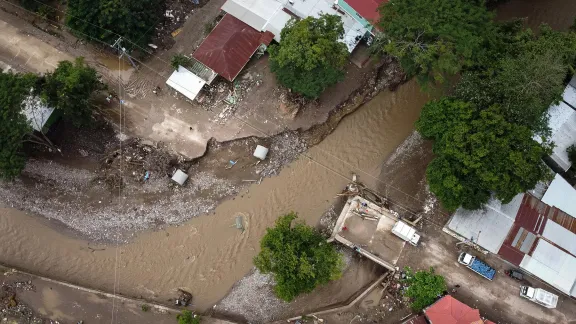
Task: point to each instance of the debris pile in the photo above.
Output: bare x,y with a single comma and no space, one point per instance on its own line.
11,307
284,148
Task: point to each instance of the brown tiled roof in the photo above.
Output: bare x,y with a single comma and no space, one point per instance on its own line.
229,47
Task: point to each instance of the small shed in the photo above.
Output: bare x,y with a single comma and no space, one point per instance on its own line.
38,114
186,82
180,177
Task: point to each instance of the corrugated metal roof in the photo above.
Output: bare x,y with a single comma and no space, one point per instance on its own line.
186,82
560,236
228,47
36,112
552,265
450,310
561,195
487,227
562,124
368,9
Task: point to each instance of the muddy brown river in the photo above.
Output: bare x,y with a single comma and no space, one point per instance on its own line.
207,255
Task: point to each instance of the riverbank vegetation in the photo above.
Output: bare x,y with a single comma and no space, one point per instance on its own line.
69,90
424,287
491,132
298,256
311,57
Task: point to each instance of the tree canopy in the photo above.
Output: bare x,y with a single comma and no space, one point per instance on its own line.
70,88
106,19
310,57
434,40
478,153
423,287
13,124
298,256
525,79
187,317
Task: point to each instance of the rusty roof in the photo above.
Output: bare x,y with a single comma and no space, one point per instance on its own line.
229,47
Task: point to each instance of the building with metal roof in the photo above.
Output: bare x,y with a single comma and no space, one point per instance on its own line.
449,310
561,195
363,9
229,46
38,114
186,82
262,15
541,239
273,15
562,124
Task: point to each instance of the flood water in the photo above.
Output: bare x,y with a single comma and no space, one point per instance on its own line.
207,255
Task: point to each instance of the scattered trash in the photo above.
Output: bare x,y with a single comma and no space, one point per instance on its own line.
176,32
180,177
261,152
184,299
153,46
169,14
231,164
147,175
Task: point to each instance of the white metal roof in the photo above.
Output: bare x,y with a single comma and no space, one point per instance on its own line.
186,82
552,265
488,227
561,195
562,124
560,236
36,112
262,15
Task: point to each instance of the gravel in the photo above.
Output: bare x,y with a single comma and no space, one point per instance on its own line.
252,297
284,149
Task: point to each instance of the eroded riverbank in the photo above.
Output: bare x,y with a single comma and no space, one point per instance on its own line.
207,255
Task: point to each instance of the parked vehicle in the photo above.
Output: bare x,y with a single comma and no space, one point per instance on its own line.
514,274
406,232
539,296
476,265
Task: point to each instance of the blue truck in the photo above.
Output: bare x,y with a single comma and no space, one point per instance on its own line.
476,265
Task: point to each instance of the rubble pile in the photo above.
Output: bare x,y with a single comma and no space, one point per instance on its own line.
11,307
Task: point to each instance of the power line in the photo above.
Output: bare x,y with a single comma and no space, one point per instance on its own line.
236,117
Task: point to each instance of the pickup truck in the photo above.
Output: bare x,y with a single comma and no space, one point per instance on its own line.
476,265
539,296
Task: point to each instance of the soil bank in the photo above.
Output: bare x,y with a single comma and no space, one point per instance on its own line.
207,255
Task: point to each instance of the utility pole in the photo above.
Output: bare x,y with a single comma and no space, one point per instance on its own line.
118,46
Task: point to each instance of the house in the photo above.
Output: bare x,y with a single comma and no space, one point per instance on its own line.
562,124
449,310
534,232
39,116
272,15
365,11
229,46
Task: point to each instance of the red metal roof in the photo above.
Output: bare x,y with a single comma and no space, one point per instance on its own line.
229,47
449,310
368,9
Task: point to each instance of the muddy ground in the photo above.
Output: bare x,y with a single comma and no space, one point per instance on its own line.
96,185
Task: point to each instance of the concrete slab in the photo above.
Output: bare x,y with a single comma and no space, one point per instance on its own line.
367,228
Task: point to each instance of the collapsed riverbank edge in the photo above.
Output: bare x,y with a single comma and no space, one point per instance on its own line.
387,74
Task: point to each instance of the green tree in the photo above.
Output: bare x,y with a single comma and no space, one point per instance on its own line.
310,57
423,287
187,317
435,39
70,88
180,60
298,256
525,79
106,19
13,124
478,153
